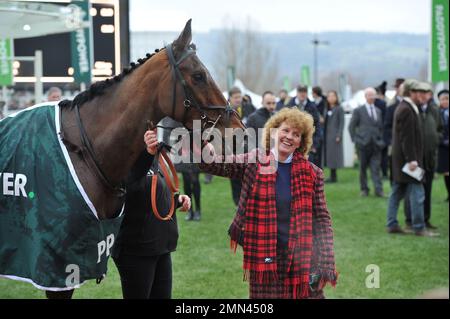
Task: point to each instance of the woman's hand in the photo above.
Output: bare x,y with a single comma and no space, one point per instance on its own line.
151,141
185,202
338,139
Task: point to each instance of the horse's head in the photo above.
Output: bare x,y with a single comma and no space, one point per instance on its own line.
187,90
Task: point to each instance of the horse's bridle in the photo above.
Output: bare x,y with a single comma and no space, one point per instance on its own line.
189,99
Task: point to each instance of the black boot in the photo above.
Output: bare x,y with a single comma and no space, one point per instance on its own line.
197,216
333,177
189,215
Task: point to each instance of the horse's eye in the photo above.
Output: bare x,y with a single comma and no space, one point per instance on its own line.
198,77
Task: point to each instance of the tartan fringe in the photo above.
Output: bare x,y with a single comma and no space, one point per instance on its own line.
300,291
330,277
233,245
246,275
236,236
261,277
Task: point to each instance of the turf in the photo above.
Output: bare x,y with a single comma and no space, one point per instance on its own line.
204,266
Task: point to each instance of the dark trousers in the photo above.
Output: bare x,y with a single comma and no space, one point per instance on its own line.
191,183
370,156
316,158
391,179
384,162
236,186
145,277
429,175
333,175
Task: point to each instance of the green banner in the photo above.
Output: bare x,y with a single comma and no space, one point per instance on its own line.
305,75
287,83
6,63
231,76
81,42
439,42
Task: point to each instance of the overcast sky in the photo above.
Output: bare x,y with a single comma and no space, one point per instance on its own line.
412,16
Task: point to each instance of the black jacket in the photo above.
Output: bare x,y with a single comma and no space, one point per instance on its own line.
257,120
388,121
382,105
322,107
141,233
432,134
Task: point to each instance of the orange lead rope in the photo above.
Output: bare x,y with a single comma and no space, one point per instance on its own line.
172,182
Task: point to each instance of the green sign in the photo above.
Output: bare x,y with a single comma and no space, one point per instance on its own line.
286,83
305,76
6,63
439,42
81,42
231,76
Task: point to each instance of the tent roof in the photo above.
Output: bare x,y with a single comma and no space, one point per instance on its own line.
30,19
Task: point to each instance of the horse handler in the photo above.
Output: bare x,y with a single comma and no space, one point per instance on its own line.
144,243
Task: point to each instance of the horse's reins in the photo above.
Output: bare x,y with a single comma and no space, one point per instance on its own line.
162,160
118,191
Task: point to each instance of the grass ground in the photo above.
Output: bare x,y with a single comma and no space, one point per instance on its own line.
204,267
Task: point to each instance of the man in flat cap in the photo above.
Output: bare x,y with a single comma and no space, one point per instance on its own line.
432,133
407,148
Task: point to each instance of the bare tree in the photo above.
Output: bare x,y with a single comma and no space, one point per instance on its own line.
254,61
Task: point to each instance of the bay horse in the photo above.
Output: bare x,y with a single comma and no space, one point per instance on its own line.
103,127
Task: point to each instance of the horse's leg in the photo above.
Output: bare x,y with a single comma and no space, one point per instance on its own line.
67,294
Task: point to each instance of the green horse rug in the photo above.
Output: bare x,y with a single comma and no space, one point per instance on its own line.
50,234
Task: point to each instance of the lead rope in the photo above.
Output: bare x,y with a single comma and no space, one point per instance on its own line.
173,182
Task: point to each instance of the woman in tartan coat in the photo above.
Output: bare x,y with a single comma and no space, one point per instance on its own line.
282,221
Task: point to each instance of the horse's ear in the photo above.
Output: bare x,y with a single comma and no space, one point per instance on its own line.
184,39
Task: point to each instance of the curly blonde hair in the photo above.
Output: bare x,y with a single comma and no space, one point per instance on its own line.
300,120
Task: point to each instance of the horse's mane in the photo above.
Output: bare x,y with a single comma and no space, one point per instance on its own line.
100,87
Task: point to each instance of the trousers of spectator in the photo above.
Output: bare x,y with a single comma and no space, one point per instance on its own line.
333,174
317,157
191,183
390,169
384,162
236,186
427,185
145,277
370,156
415,194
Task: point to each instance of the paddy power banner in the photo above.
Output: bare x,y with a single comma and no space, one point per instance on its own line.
81,41
6,63
439,41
